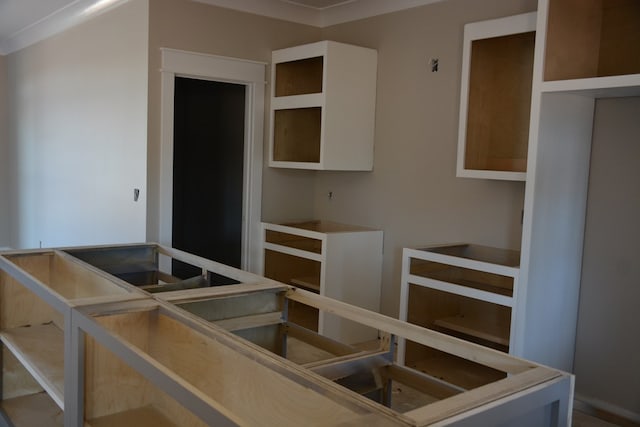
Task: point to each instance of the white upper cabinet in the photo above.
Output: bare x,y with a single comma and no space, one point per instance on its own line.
323,107
495,100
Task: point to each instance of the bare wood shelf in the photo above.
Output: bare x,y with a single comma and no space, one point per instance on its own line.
33,410
478,327
147,416
41,350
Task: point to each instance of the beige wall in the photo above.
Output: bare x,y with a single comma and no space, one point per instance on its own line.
607,345
4,175
196,27
78,136
413,194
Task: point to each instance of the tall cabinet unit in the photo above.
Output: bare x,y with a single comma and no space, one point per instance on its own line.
339,261
323,107
585,50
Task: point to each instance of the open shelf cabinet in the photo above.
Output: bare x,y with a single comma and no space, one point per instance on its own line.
495,100
37,291
323,107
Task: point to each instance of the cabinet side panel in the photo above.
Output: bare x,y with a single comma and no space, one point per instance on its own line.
552,247
353,275
350,96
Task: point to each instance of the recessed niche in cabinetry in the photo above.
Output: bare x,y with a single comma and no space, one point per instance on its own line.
495,102
323,107
592,38
290,127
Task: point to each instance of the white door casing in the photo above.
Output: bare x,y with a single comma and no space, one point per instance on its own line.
251,74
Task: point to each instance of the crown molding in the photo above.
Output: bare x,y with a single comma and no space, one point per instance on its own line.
326,17
73,14
83,10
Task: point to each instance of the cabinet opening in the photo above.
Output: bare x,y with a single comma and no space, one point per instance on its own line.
299,77
294,241
449,368
474,320
297,134
592,38
300,272
481,280
499,104
116,394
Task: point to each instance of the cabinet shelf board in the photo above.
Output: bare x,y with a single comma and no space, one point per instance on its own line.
486,254
597,87
33,410
311,283
41,350
146,416
459,372
477,327
466,291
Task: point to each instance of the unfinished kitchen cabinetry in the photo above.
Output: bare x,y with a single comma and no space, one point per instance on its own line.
585,50
495,98
339,261
592,38
180,357
37,291
466,291
323,107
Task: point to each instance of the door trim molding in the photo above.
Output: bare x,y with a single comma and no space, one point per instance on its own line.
251,74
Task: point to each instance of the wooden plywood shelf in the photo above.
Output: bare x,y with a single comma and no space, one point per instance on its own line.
311,283
323,107
147,416
476,326
41,351
33,410
454,370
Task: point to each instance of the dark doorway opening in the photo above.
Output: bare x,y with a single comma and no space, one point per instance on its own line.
208,171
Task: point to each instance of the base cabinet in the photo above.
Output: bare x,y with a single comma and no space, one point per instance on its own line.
340,261
462,290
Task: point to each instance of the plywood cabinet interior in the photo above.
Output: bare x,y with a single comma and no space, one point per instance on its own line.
495,98
121,356
323,107
340,261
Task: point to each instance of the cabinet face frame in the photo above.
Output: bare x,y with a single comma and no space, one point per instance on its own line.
517,24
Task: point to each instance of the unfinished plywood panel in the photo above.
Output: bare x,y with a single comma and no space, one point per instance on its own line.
592,38
500,81
116,394
296,135
68,278
19,306
243,386
300,77
33,410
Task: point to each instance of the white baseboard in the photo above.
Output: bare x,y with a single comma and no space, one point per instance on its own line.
590,405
